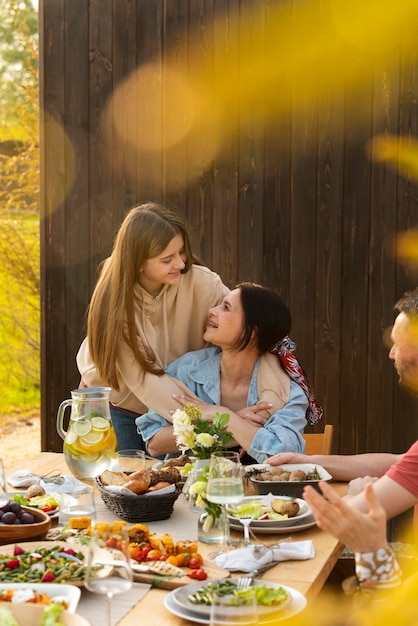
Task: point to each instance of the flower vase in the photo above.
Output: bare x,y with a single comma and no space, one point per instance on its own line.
212,529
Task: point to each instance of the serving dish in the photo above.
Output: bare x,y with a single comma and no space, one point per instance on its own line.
172,582
304,512
38,546
26,532
295,605
283,487
31,615
69,593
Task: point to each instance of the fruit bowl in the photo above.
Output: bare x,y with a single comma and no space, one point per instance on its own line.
9,533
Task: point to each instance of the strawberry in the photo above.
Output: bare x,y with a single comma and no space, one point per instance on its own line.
18,550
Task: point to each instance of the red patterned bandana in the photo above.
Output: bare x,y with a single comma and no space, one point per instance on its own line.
284,350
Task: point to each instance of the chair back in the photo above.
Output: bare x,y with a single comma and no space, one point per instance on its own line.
319,443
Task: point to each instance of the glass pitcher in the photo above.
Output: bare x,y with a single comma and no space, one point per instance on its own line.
90,442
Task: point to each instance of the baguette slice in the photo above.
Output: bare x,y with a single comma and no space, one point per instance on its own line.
113,478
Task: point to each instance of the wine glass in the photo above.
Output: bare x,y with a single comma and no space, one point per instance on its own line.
108,563
4,498
225,485
233,610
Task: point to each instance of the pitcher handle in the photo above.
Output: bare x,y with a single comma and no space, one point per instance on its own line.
60,417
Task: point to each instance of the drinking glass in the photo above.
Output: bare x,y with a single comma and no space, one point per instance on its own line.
232,610
4,498
131,460
225,485
77,500
108,564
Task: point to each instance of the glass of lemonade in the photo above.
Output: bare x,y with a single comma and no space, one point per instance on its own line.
225,486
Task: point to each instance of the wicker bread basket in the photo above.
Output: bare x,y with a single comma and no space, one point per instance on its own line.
139,508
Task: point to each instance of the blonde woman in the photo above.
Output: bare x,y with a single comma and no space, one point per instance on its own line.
148,308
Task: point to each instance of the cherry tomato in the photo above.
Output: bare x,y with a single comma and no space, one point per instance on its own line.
197,574
46,509
141,555
163,557
172,559
195,562
111,543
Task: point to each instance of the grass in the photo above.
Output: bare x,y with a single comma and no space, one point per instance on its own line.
19,316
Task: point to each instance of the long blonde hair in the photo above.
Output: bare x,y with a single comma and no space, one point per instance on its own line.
145,232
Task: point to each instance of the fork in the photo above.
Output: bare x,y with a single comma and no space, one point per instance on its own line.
245,581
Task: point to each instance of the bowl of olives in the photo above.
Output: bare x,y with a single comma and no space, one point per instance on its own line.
21,523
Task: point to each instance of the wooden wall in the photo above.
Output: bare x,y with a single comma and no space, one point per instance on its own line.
293,202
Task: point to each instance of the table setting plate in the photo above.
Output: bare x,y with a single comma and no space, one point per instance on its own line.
52,514
305,524
301,518
294,605
181,597
70,593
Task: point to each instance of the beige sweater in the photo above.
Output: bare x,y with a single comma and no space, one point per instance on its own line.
171,325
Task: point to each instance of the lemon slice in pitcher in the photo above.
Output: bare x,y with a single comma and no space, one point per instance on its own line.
82,427
93,438
100,423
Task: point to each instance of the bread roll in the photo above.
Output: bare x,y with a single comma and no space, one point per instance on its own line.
161,485
136,486
143,475
113,478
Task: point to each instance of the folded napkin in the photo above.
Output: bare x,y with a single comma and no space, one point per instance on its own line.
126,492
248,559
56,486
22,479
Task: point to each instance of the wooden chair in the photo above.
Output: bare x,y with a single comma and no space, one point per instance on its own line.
319,443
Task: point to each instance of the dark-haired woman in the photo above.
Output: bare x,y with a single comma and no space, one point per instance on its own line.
240,370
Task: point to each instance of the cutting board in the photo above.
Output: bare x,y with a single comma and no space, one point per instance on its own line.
165,582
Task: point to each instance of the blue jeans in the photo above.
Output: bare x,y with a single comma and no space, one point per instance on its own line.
126,429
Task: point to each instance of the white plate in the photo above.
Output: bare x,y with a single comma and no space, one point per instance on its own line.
52,514
308,522
69,592
296,604
304,512
181,597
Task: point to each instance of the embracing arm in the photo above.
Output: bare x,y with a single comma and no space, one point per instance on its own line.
343,467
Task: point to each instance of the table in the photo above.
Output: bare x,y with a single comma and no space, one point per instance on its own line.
308,577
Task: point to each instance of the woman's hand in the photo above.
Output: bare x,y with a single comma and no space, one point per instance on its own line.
363,532
207,409
258,414
288,457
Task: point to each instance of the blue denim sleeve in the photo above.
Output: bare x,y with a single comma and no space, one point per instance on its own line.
149,424
283,432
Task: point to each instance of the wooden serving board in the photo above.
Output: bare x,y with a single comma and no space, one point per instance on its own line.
165,582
